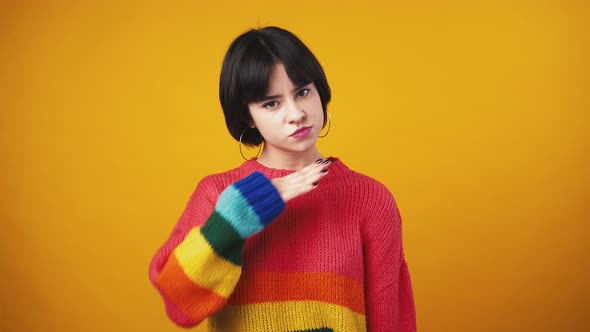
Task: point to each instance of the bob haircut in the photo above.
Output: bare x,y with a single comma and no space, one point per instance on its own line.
246,70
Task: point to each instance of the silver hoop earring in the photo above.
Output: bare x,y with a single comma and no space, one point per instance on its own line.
240,146
329,125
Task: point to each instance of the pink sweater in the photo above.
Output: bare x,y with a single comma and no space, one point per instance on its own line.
329,260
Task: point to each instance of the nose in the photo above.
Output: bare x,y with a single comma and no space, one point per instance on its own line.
295,113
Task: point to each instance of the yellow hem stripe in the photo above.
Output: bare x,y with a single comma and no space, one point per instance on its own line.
287,316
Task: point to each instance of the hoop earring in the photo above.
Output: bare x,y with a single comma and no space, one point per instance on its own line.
240,146
329,125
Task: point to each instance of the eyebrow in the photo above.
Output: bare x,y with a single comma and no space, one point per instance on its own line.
265,98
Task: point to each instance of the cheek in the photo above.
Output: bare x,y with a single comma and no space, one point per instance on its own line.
315,105
257,117
266,123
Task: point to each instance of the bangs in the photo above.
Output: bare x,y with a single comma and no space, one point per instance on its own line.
257,66
254,74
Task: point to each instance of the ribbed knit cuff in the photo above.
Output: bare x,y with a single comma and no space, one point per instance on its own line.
250,204
262,196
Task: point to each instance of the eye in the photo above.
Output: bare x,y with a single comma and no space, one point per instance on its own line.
271,104
302,92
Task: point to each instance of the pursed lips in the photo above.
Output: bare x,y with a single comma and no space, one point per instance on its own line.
299,130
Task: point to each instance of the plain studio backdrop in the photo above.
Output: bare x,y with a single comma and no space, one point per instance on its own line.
475,114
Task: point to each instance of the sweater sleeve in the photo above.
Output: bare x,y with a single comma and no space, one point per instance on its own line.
196,270
388,290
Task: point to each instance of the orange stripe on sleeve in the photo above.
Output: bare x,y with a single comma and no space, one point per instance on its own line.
195,301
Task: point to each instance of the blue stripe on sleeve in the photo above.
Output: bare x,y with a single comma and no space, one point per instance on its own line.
238,212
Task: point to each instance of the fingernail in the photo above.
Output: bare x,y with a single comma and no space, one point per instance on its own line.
318,161
327,162
324,171
315,184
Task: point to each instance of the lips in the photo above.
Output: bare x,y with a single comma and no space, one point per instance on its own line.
301,132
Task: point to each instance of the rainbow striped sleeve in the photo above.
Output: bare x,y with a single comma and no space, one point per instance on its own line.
202,271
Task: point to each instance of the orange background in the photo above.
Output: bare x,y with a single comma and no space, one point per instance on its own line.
474,114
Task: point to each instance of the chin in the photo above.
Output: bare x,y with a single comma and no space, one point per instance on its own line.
305,147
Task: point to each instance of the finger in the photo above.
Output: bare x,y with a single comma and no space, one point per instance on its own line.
310,170
313,166
314,177
304,180
316,166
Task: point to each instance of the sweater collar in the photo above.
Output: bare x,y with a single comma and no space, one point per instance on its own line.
253,165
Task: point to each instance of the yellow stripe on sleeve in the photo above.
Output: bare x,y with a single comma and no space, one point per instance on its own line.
202,265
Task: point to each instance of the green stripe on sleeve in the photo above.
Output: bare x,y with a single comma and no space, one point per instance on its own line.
223,238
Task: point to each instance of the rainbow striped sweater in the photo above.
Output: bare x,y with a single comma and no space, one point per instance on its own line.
329,260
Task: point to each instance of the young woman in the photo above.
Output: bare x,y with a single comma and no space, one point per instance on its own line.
292,240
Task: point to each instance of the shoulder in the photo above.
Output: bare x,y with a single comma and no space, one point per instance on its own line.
374,196
371,182
364,184
380,212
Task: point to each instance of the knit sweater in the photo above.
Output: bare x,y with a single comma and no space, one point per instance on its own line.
328,260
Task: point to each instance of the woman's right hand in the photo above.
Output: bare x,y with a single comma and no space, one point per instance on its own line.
302,181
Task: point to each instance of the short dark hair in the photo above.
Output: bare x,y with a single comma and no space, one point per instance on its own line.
246,69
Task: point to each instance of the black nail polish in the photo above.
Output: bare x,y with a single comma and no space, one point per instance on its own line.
327,162
324,171
318,161
315,184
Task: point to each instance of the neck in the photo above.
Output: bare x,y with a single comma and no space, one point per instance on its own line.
288,160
